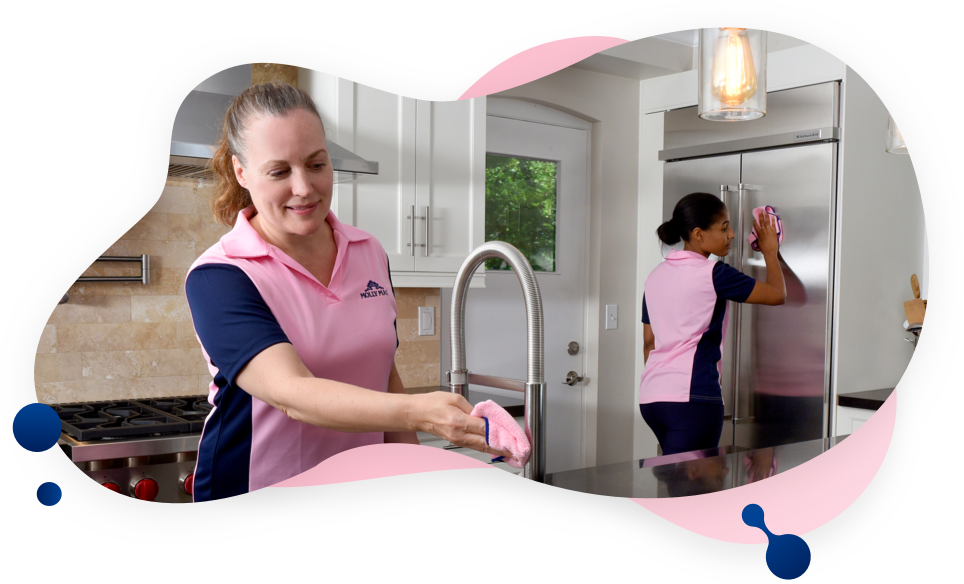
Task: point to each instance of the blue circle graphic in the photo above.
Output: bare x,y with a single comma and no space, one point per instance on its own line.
788,556
49,494
753,515
36,427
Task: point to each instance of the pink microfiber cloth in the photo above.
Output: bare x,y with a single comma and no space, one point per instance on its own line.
502,433
752,238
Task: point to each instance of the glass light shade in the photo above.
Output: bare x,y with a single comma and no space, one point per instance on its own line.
732,74
895,142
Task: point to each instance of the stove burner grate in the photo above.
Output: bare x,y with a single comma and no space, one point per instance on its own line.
133,418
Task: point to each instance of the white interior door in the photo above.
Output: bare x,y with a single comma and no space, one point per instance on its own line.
495,326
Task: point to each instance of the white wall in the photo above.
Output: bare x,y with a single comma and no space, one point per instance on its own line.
880,242
612,105
648,254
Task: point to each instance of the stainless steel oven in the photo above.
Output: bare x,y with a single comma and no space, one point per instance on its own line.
145,448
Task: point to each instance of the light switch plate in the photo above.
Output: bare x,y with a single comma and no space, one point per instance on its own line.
426,321
612,317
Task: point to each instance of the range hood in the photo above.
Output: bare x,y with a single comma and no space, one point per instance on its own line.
198,125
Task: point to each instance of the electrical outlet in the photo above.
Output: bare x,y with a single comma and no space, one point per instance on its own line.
612,317
426,321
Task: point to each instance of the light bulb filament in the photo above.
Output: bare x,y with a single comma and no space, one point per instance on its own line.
734,75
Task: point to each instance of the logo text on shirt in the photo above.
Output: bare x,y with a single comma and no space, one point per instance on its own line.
373,290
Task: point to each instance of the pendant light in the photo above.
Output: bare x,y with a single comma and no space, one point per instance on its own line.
895,142
732,74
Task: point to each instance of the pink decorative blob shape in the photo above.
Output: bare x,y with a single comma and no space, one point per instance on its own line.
381,460
537,62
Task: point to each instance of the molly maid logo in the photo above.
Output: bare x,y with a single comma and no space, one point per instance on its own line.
373,290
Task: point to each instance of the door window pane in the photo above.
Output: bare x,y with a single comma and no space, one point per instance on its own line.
520,209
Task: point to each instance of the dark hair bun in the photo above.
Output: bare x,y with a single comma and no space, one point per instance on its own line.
668,233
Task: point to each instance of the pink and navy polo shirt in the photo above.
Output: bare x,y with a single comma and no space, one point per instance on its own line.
685,304
247,295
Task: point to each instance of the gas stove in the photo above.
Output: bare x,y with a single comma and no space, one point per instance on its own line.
144,448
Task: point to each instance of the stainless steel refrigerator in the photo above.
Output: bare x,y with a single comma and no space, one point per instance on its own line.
776,366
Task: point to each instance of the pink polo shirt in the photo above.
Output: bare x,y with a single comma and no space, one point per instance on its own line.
685,304
246,295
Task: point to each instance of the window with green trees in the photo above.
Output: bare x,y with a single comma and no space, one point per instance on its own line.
520,209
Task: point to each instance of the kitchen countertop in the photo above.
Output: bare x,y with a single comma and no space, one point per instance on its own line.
688,473
867,400
680,474
864,400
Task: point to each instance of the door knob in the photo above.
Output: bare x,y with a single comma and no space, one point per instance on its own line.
573,348
572,378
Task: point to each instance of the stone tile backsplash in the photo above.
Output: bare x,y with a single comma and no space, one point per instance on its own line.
121,340
418,358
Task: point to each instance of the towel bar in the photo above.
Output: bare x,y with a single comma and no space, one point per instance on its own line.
143,278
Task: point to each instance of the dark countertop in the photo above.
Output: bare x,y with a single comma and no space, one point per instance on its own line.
865,400
689,473
515,407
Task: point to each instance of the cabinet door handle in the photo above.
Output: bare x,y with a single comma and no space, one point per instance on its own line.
413,217
428,222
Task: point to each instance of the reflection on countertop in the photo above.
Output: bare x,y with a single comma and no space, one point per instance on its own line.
676,475
690,473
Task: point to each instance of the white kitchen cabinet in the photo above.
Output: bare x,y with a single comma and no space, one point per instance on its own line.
431,160
381,128
849,419
449,183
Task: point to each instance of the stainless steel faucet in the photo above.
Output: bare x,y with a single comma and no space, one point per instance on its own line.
534,387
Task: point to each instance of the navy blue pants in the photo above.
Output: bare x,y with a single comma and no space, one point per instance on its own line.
684,426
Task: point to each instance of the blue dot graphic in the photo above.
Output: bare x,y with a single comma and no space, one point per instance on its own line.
788,556
36,427
49,494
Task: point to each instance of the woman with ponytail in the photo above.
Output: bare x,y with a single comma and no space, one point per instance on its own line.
295,313
684,316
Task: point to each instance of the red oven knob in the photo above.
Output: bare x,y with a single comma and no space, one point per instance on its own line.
112,486
145,490
187,484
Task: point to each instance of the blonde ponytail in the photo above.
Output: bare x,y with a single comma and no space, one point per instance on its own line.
229,196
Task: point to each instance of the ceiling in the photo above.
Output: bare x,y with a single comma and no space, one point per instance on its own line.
655,56
663,54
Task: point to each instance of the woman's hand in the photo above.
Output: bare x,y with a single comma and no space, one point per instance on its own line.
761,465
446,415
773,292
278,377
766,232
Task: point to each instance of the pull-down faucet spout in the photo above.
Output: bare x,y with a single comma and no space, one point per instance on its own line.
534,387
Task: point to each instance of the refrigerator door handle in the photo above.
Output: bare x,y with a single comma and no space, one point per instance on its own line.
735,261
742,254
